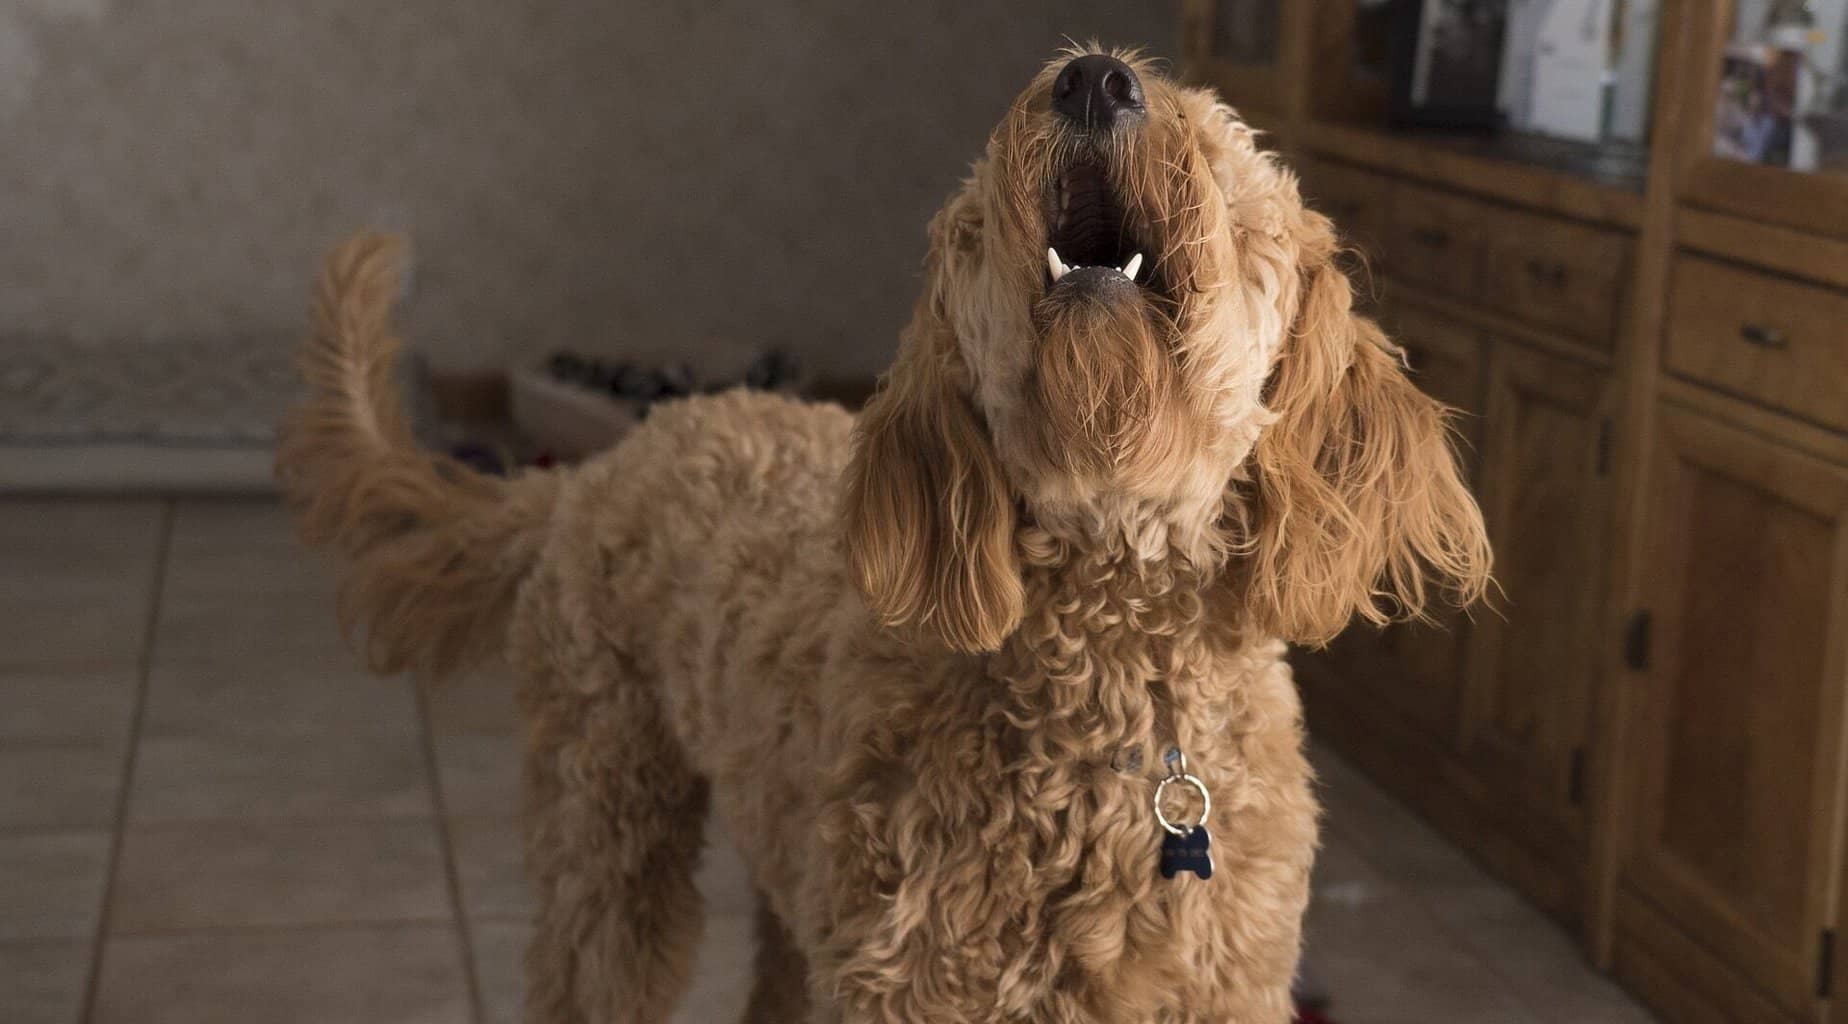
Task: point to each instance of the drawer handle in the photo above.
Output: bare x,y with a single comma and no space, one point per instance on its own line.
1435,238
1764,337
1553,275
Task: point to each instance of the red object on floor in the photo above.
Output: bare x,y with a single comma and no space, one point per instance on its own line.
1308,1016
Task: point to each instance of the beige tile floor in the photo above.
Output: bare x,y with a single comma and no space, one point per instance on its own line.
208,814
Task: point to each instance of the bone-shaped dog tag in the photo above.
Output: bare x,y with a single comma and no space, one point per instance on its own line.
1184,847
1191,852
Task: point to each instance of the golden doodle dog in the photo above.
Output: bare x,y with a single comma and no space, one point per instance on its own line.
932,666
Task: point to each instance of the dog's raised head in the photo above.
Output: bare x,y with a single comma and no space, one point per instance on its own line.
1133,333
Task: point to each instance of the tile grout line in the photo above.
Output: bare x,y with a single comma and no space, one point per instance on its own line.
253,928
452,874
143,669
280,821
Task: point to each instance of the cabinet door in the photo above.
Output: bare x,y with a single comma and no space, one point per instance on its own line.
1738,730
1795,174
1535,651
1418,667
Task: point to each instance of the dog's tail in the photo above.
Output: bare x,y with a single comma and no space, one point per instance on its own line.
435,551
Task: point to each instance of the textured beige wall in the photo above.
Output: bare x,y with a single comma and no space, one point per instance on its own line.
686,178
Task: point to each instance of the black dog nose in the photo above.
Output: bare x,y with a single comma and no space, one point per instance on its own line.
1097,92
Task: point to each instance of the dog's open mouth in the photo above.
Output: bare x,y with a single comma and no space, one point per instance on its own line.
1092,231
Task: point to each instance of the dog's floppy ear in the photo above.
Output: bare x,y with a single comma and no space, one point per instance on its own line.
928,512
1354,503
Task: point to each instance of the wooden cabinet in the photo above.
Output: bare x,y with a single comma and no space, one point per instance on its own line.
1653,363
1491,714
1545,497
1419,668
1734,831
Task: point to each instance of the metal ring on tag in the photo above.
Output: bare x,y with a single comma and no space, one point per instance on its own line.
1206,805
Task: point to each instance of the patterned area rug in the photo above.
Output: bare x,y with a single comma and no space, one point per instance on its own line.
158,416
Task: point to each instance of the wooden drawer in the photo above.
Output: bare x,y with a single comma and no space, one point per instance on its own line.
1557,274
1355,199
1436,240
1771,339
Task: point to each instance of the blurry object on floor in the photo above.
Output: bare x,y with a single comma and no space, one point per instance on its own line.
564,419
184,416
479,396
577,405
850,391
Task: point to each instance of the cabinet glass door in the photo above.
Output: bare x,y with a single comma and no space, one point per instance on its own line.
1234,46
1782,99
1770,112
1245,31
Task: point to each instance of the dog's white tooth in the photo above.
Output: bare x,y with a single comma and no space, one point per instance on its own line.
1054,264
1134,264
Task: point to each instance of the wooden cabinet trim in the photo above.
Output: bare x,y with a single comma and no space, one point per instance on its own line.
1769,424
1493,325
1679,975
1812,484
1419,159
1768,246
1804,201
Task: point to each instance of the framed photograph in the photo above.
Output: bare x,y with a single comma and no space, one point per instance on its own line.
1446,63
1752,118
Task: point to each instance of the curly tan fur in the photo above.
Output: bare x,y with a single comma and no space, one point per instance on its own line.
413,526
908,658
